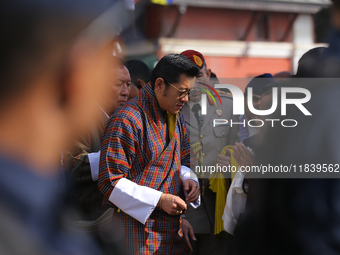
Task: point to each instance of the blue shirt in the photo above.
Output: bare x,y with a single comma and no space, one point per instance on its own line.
36,201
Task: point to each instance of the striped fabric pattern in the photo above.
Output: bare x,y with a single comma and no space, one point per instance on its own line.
243,128
159,235
134,146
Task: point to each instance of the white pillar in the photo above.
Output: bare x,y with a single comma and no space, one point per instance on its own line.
303,37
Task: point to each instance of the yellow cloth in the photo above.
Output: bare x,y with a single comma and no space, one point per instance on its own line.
162,2
171,121
220,186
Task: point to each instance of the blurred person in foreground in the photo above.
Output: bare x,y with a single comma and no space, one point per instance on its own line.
209,234
82,163
244,153
51,61
140,75
300,216
145,159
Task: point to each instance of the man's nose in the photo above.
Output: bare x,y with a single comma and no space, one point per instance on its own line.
125,90
185,99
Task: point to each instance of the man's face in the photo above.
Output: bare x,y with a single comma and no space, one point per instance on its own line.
265,104
170,99
197,94
120,88
256,102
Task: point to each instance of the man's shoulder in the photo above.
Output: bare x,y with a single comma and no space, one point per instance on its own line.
130,111
129,114
224,98
224,94
181,117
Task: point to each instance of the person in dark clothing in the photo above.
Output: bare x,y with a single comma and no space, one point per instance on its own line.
300,215
51,52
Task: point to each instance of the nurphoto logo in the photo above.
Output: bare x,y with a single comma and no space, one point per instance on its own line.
238,105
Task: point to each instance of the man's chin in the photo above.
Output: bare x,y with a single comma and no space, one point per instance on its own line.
174,111
122,103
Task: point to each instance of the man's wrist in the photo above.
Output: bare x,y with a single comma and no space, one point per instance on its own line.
183,216
159,204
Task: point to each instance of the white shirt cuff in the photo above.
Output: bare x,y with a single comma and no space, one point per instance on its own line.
235,203
94,164
135,200
186,174
237,182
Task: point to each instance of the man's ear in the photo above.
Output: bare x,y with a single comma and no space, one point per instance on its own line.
159,84
141,82
208,73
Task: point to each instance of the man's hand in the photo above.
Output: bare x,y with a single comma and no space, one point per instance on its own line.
223,160
172,204
242,155
187,231
193,190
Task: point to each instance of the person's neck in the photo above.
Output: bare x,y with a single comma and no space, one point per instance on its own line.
158,98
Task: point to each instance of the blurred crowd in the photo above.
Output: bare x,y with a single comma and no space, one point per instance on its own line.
99,155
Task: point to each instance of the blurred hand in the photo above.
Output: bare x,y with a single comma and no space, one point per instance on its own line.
223,160
187,231
242,155
172,204
193,190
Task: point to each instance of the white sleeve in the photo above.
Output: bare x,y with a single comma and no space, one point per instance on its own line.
186,174
135,200
94,164
235,204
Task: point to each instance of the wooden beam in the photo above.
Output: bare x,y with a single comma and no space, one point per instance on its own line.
253,20
289,27
175,24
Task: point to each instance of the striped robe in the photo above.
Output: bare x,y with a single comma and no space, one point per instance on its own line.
135,147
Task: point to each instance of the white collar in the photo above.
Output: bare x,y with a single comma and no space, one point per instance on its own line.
103,111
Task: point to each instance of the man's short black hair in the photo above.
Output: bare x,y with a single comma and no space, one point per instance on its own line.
213,76
138,70
170,68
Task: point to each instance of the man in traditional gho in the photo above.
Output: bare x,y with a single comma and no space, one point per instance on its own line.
145,157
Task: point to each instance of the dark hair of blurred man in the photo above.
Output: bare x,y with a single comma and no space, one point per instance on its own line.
140,75
309,61
53,56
